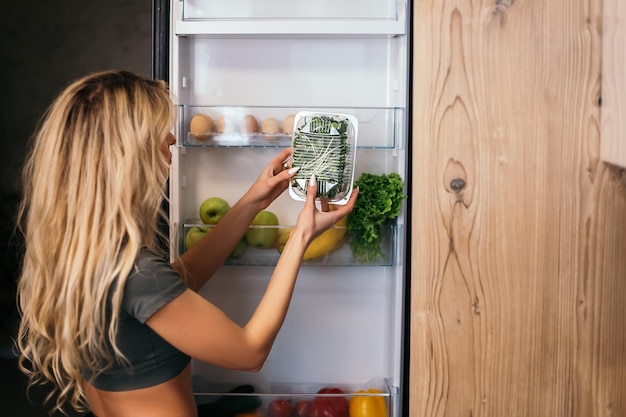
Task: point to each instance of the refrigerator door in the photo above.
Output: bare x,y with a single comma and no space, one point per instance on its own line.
250,60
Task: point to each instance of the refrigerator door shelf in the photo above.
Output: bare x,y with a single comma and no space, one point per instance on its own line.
291,9
237,140
379,127
339,253
379,388
224,28
301,17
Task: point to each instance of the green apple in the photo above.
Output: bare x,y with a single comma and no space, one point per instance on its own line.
239,250
213,209
194,235
263,236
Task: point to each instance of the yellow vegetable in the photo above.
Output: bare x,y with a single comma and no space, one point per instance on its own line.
282,238
368,405
329,241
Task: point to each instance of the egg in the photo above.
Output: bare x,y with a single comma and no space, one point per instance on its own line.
224,124
288,124
249,124
201,126
270,126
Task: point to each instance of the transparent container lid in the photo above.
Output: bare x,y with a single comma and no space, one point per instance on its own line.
324,145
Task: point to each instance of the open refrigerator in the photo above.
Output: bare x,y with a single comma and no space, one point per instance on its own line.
228,59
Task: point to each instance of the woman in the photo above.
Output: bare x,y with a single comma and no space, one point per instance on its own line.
104,319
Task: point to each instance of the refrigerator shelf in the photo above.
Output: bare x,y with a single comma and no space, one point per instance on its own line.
341,255
310,27
235,126
239,140
292,9
291,17
207,393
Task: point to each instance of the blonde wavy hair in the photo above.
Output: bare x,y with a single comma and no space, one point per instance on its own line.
94,182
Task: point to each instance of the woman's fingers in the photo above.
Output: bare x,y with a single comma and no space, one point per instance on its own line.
344,210
311,191
324,204
277,165
286,174
281,162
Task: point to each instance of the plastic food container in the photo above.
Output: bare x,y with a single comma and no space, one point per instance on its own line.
324,144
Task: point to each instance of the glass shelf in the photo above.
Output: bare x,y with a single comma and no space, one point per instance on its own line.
379,127
341,255
290,9
262,395
238,140
323,17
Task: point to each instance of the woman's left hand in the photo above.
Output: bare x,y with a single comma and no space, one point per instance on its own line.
272,182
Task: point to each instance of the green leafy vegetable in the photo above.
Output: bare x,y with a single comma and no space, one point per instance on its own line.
379,202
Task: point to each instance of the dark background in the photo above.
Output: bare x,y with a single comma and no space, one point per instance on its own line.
44,45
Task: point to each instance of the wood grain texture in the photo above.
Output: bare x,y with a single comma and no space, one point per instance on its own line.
613,114
518,282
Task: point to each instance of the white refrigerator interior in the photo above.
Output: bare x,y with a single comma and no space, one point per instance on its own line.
232,58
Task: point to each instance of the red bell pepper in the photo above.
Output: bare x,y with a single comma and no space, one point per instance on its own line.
329,405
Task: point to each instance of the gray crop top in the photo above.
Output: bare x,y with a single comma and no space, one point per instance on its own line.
152,284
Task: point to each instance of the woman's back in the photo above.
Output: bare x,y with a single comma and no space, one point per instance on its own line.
168,399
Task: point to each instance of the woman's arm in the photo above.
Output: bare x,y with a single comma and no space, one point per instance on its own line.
195,326
197,265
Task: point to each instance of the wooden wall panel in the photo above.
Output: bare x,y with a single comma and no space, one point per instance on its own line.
613,146
518,281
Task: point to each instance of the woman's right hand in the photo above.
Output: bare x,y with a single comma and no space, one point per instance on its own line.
312,221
